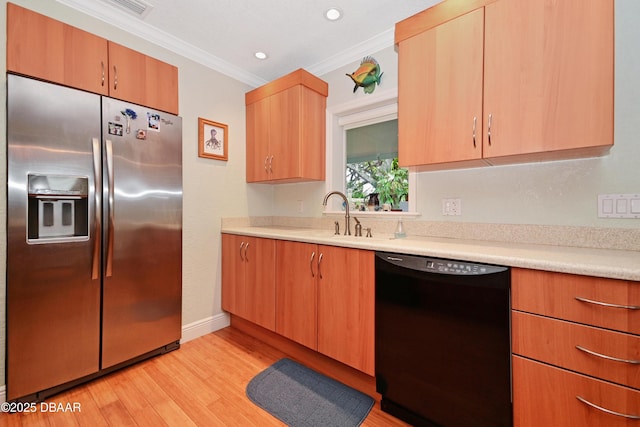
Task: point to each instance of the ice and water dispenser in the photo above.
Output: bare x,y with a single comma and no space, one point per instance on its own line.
58,208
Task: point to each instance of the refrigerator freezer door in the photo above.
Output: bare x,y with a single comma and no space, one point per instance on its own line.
142,193
53,304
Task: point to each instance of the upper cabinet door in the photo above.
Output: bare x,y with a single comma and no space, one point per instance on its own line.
126,74
284,131
257,146
440,93
41,47
140,79
548,76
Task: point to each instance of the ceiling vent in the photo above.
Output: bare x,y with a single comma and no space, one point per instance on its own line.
137,7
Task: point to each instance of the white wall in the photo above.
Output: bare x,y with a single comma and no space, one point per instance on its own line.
212,189
553,193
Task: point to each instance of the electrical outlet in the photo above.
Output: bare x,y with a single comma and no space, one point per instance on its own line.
451,207
300,206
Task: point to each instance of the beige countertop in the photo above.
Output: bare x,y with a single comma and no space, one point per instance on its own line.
611,263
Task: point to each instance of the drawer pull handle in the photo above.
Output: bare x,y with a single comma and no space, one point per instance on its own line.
608,411
604,356
606,304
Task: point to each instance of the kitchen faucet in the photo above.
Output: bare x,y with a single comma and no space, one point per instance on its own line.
347,226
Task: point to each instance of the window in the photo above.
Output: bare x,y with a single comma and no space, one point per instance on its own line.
375,116
372,167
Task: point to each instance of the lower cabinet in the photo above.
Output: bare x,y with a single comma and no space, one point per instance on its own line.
248,278
322,297
576,346
325,300
346,305
544,395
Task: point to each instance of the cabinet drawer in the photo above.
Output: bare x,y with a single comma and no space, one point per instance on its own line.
554,341
544,395
556,295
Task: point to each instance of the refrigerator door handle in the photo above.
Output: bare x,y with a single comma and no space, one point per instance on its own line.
97,233
109,266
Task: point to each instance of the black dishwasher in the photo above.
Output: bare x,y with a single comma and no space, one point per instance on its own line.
443,348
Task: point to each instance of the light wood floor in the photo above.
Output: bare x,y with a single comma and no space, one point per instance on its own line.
201,384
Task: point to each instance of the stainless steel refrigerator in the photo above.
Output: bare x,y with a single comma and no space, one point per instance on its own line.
94,235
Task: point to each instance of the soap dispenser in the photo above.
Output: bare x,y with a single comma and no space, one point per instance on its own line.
399,234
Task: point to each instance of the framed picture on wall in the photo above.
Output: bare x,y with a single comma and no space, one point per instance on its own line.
212,139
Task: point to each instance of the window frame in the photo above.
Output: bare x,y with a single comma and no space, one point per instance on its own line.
353,114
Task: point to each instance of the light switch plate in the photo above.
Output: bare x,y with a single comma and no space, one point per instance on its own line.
619,205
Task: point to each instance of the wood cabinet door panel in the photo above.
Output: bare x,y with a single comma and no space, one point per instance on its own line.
284,137
233,274
555,342
346,302
161,85
260,291
554,295
544,395
42,47
296,292
312,135
548,82
440,93
127,74
258,117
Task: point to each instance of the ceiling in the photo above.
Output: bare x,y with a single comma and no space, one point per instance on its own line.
225,34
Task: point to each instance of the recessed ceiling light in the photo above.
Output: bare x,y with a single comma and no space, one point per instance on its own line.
333,14
261,55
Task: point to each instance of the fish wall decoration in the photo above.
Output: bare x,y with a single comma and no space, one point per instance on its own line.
367,75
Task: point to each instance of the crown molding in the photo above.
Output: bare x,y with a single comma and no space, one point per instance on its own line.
133,25
359,51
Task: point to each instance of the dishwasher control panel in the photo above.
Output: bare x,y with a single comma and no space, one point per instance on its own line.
439,265
456,267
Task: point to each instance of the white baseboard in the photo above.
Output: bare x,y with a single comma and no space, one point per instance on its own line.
189,332
205,326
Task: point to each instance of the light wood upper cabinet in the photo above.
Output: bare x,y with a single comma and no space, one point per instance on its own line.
440,93
42,47
286,129
531,80
548,78
248,278
47,49
141,79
